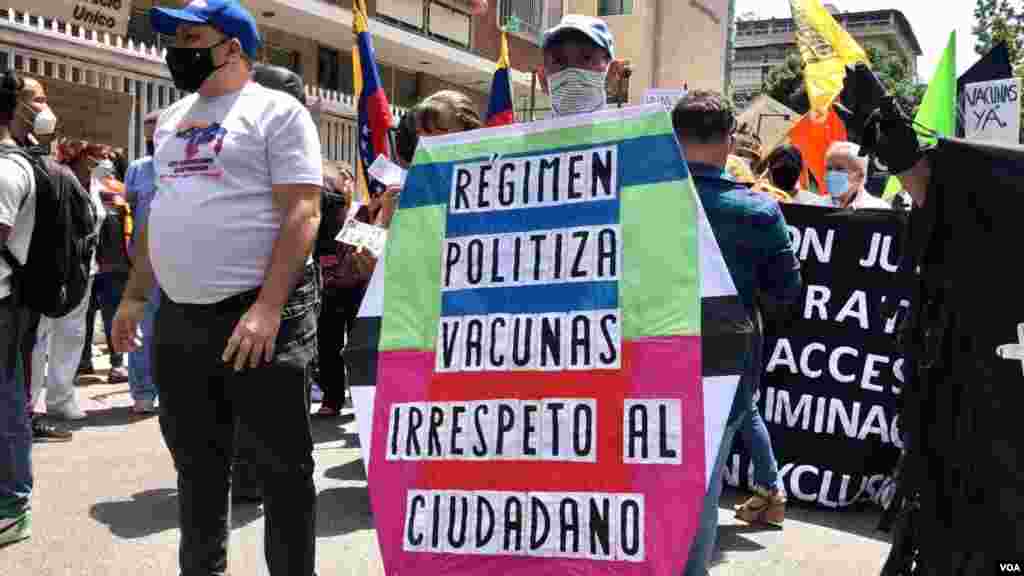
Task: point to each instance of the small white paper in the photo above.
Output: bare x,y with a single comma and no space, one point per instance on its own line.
387,172
363,235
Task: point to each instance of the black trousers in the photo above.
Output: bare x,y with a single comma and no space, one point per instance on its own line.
337,315
105,297
204,404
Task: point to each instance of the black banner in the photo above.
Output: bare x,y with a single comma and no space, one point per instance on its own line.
833,371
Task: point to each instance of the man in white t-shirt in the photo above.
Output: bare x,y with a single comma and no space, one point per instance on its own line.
17,218
228,240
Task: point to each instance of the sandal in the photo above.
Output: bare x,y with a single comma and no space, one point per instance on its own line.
763,507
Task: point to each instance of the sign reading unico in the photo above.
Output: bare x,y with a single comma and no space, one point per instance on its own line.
101,15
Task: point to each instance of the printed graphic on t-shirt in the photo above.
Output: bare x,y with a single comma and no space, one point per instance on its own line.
203,143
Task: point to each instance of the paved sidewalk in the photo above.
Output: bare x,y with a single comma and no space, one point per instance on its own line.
105,505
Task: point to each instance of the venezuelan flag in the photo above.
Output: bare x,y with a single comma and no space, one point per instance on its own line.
499,111
374,112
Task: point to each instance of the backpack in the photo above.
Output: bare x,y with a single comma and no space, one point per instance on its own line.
55,276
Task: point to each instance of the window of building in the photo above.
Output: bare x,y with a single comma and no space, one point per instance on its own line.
614,7
279,56
141,30
406,91
532,16
329,69
345,74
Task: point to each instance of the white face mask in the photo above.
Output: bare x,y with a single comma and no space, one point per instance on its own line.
577,91
44,123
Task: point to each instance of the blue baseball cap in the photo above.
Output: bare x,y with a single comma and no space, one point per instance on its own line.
228,16
595,29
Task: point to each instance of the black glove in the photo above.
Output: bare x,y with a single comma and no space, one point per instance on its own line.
889,135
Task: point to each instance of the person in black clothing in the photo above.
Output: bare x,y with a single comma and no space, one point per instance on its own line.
344,283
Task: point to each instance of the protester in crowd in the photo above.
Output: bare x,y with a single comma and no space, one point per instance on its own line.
119,157
92,165
846,174
246,483
17,218
748,147
405,140
60,342
579,61
754,240
230,247
33,127
784,165
444,112
344,283
140,187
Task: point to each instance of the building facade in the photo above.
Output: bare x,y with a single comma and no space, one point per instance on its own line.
760,45
105,83
670,43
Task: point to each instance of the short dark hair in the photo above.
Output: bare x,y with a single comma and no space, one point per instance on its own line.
11,85
703,116
785,164
406,137
281,79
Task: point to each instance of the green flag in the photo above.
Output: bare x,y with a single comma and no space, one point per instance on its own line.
938,108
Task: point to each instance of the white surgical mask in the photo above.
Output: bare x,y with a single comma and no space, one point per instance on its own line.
577,91
838,182
43,123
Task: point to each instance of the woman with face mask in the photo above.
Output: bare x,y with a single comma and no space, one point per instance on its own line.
579,58
93,166
34,122
60,343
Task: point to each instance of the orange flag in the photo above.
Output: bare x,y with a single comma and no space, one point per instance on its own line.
813,139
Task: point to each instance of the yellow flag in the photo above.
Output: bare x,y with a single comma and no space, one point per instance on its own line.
826,49
359,24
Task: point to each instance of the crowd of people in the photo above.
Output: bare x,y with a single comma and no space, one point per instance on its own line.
217,272
56,351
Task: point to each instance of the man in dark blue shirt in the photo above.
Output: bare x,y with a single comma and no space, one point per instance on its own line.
754,240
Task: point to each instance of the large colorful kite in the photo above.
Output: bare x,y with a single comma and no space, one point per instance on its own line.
527,368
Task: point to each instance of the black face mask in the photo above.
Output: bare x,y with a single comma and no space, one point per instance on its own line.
190,67
150,148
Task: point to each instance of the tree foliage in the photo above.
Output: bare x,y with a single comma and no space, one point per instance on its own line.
785,82
1001,21
998,21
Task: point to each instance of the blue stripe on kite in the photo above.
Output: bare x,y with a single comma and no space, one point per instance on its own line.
650,160
527,219
539,299
644,160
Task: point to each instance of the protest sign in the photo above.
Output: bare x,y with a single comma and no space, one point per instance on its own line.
667,97
109,16
833,371
992,110
545,358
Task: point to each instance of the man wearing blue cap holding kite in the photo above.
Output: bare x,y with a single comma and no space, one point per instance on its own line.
579,57
228,241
